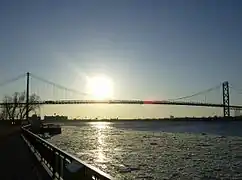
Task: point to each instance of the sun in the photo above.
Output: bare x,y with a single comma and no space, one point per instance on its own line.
100,87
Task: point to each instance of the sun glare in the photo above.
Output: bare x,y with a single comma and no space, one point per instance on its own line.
100,87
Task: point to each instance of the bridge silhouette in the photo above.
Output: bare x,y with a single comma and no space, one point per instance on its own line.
225,105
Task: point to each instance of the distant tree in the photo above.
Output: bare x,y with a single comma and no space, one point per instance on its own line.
14,106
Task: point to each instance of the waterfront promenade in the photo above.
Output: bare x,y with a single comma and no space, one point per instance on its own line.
16,160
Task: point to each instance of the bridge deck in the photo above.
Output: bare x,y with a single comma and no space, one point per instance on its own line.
16,161
137,102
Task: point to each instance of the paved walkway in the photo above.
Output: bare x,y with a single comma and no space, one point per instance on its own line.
16,161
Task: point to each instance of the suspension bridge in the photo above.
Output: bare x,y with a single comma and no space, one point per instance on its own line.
56,160
225,105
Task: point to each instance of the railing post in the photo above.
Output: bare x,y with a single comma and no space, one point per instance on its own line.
55,164
61,167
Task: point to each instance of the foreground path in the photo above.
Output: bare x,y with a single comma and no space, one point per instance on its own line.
16,161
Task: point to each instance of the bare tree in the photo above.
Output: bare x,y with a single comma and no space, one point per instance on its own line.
3,113
14,106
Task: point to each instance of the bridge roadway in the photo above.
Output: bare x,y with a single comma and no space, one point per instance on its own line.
180,103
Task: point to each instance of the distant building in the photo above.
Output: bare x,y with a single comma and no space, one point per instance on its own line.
51,118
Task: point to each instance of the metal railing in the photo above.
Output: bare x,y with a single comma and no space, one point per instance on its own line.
58,163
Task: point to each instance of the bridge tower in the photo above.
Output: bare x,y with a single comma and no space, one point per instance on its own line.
27,97
226,107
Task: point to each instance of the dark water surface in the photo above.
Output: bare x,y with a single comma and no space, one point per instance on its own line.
225,128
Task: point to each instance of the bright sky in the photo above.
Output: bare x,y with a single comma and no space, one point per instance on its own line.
145,49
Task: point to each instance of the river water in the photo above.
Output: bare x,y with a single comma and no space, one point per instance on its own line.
156,149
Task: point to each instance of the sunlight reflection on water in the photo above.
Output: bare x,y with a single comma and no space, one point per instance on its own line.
99,125
101,142
100,129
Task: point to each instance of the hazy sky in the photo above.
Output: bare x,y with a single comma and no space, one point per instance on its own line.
152,49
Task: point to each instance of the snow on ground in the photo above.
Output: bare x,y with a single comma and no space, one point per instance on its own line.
148,155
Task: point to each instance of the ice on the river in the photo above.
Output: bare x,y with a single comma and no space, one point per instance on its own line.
144,155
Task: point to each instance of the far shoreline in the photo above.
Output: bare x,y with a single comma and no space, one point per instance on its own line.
186,119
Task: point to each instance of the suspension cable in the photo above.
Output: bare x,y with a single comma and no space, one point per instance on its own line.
239,91
196,94
57,85
12,80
